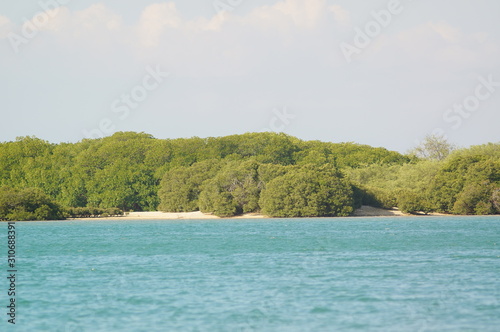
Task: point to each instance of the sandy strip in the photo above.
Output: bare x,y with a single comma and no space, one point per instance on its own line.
158,215
370,211
169,215
364,211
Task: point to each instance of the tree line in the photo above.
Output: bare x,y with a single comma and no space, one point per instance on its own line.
276,174
466,181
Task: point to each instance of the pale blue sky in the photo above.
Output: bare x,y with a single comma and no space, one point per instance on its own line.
69,76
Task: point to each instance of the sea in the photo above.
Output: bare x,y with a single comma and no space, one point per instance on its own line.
317,274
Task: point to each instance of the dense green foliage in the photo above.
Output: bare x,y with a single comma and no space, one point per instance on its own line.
233,190
467,185
125,170
234,187
271,173
466,182
308,192
181,186
27,204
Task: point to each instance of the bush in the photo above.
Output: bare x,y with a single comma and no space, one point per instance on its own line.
495,200
27,204
308,192
474,199
484,208
88,212
413,202
180,187
375,197
234,190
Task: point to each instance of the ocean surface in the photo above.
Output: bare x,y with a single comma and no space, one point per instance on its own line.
324,274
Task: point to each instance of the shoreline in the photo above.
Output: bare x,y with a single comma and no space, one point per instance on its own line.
364,211
158,215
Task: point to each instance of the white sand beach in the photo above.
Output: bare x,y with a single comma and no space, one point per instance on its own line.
364,211
149,215
169,215
370,211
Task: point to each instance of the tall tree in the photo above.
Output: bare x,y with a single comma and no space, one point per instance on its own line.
308,192
433,147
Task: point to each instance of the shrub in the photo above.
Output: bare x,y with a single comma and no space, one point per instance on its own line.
27,204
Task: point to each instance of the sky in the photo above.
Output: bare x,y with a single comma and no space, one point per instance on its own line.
384,73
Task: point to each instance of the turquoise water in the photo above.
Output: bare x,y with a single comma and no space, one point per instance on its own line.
344,274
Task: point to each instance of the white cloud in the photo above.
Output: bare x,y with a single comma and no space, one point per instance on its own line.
248,60
59,19
92,23
342,16
6,26
432,45
231,43
447,32
155,19
305,14
98,17
289,13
